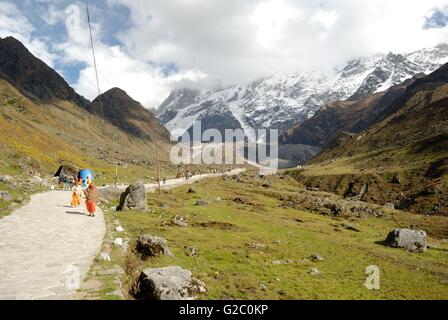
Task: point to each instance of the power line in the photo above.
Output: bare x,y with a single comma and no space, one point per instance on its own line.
94,60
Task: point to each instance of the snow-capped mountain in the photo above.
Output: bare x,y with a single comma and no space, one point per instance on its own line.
281,100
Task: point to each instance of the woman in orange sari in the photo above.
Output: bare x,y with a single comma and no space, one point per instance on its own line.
91,199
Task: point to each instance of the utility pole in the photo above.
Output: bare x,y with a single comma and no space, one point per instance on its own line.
158,169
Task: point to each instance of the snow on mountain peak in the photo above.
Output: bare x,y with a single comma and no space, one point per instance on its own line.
280,100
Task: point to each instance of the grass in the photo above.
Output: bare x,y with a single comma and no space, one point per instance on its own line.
232,269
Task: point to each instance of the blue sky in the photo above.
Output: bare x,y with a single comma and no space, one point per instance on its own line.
149,48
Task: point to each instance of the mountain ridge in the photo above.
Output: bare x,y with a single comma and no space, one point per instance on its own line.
284,100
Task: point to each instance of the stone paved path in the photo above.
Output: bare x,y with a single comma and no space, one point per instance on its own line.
43,243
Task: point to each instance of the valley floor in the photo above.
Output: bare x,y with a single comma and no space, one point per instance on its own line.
254,245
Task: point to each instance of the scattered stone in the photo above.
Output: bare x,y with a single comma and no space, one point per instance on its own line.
5,196
263,287
314,272
202,203
119,229
170,283
389,205
133,198
118,242
256,246
150,246
191,191
6,179
104,256
218,199
315,257
180,221
411,240
191,251
266,185
282,262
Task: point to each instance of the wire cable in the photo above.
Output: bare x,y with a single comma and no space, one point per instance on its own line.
94,61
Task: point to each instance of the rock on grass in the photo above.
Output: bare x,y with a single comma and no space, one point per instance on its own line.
150,246
169,283
411,240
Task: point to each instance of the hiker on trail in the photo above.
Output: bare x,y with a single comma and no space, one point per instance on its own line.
76,195
66,183
61,182
91,199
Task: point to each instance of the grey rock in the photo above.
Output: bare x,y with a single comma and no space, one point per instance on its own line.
192,251
411,240
180,221
169,283
104,256
282,262
314,272
150,246
5,196
133,198
6,179
202,203
389,205
315,257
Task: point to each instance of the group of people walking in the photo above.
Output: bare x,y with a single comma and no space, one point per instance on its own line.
89,192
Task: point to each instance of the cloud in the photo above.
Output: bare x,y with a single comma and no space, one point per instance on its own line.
14,23
150,47
239,41
437,19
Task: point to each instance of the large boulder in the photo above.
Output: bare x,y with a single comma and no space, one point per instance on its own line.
150,246
170,283
411,240
133,198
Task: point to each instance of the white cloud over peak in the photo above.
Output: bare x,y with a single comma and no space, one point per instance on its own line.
163,45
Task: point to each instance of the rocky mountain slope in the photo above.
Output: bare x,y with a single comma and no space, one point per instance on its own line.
282,100
45,124
129,115
31,76
338,116
402,158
